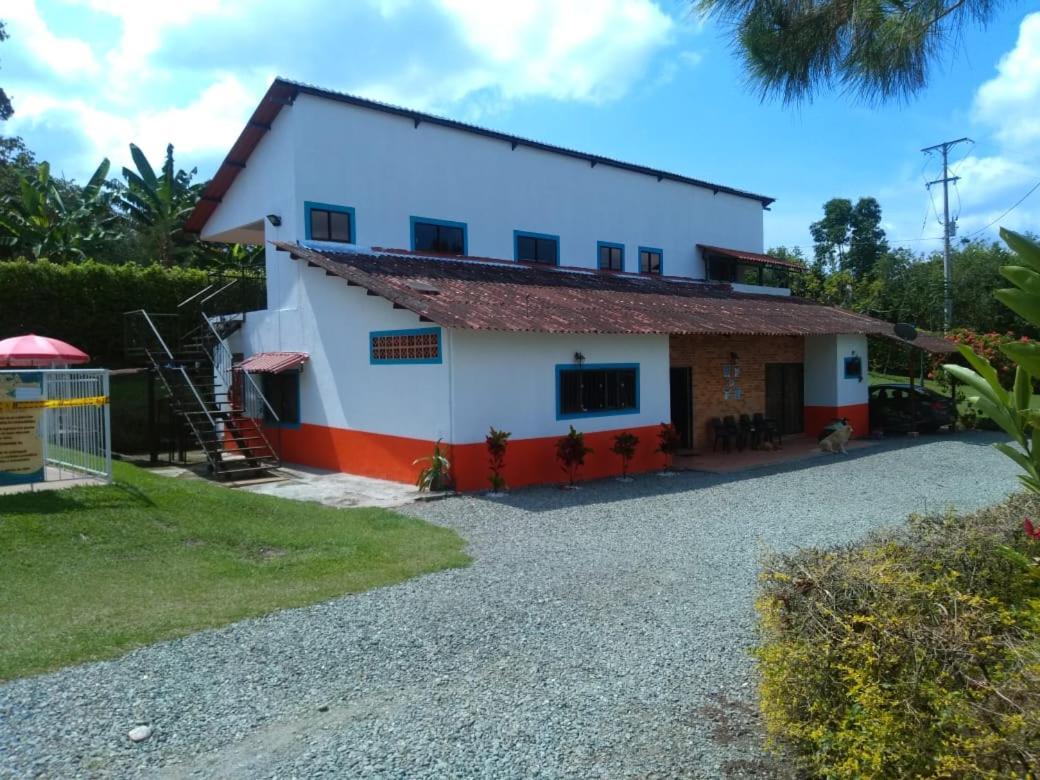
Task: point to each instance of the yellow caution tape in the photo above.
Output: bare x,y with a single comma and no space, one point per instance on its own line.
56,403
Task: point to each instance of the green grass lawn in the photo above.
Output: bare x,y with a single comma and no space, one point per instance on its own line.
88,573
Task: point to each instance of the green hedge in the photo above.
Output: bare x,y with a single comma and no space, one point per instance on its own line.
83,303
913,654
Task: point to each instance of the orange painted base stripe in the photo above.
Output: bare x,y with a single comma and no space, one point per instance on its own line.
528,461
533,461
819,417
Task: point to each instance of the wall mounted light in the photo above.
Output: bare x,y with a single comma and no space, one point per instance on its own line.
734,356
275,220
579,359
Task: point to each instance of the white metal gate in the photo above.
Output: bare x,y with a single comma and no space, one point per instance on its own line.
61,415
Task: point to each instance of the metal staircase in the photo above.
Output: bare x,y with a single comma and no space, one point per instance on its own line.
221,407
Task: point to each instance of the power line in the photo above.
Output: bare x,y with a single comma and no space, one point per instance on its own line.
945,180
1017,203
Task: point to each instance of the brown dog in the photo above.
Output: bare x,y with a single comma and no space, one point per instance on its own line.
836,440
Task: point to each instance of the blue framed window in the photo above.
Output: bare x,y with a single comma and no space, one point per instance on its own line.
854,367
651,260
542,248
412,345
596,390
328,222
282,392
610,256
439,235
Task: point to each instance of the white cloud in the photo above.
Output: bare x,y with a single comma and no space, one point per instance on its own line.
592,50
64,56
1010,102
190,72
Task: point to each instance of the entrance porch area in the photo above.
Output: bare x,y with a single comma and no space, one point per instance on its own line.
797,383
715,377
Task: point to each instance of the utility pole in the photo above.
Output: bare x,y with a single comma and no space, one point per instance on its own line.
948,228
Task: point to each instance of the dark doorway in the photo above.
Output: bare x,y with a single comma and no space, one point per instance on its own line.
682,404
784,401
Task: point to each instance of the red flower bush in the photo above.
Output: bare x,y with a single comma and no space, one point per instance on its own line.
1031,531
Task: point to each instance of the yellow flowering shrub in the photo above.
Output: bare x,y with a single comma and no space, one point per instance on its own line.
912,654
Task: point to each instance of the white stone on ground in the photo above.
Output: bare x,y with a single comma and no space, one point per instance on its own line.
598,633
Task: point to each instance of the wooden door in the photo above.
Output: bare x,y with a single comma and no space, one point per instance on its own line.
681,379
784,396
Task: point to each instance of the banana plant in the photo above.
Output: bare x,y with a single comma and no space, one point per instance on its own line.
40,221
1010,408
158,205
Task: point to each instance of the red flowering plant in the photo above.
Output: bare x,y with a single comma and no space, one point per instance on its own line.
571,452
496,442
669,443
1033,532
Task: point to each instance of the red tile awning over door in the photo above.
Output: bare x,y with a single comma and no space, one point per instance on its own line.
273,362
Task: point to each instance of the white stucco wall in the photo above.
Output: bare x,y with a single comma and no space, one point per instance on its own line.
509,380
339,387
825,382
388,170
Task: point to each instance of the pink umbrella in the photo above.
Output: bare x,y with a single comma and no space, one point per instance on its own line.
39,352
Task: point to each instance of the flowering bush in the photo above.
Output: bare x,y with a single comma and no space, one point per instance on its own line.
985,345
912,654
624,447
669,442
496,442
571,452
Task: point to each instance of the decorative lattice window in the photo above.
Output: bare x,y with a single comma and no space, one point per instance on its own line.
421,345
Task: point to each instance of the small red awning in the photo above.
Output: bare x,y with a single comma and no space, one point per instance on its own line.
273,362
755,258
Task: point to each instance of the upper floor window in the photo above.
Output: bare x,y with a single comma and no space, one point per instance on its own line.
727,269
438,235
325,222
611,256
650,260
536,247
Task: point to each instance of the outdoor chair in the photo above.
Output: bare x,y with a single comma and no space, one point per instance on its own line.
722,434
768,429
729,423
750,433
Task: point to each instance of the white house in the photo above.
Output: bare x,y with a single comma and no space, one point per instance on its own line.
431,279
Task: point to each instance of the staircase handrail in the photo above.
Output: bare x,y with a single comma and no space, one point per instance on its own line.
214,294
230,358
182,370
188,300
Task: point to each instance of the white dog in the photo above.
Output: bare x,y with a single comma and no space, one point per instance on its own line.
836,440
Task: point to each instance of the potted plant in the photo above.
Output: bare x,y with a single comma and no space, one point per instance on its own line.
496,442
624,447
436,474
669,443
571,452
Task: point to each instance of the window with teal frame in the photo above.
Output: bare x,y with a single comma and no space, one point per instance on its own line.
328,222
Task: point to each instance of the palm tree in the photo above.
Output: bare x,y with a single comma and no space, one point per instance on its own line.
50,218
878,49
158,205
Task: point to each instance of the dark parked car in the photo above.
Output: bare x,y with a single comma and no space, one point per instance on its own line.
891,409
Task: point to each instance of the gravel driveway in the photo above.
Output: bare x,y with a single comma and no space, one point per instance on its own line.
600,633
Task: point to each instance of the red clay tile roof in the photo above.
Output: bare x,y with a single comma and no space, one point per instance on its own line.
756,258
273,362
502,295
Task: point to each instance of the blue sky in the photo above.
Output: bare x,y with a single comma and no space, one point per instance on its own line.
640,80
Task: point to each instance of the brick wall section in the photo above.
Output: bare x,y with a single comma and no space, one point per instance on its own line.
706,355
